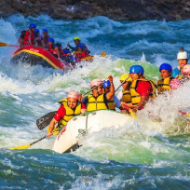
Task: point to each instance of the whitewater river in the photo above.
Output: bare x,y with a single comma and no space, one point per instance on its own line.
147,154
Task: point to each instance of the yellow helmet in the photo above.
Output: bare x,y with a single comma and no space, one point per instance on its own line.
125,77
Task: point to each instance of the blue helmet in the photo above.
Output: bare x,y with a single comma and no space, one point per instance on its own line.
136,69
166,66
50,40
32,26
44,30
106,84
36,31
81,46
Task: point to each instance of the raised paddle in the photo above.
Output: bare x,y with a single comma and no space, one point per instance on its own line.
121,84
2,44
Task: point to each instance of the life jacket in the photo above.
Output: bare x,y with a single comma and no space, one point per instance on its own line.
51,49
126,96
96,103
70,113
80,56
164,84
29,37
61,52
135,97
110,103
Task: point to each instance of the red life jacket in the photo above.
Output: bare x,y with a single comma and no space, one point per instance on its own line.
82,55
51,49
29,37
61,52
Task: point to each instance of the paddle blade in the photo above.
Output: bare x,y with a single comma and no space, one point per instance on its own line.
2,44
44,121
103,54
132,113
21,147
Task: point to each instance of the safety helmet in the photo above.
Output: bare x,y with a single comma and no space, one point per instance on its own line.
36,31
50,40
125,77
182,55
81,46
106,84
76,38
136,69
166,66
73,94
186,69
44,30
32,26
95,82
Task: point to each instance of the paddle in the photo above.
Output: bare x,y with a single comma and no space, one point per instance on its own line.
184,113
2,44
121,84
44,121
130,111
55,132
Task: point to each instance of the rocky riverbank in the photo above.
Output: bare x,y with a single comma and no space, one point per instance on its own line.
115,9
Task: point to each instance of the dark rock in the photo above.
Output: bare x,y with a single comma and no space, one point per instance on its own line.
115,9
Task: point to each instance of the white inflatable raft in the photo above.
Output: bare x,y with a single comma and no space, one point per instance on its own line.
77,127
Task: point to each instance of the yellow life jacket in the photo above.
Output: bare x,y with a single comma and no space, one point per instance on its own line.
111,104
70,113
180,77
126,96
135,97
96,103
164,84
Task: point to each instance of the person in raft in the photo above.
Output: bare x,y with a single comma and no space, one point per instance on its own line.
27,36
69,108
98,100
167,83
182,58
185,77
114,102
141,90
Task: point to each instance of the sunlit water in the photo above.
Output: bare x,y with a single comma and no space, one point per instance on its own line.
147,154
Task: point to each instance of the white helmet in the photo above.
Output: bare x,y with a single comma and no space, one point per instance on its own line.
182,55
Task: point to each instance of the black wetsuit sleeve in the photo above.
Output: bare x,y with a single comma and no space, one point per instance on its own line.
85,101
22,34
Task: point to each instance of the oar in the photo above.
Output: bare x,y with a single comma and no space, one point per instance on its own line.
2,44
184,113
44,121
130,111
55,132
121,84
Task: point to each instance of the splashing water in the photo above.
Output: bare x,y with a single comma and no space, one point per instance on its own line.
151,153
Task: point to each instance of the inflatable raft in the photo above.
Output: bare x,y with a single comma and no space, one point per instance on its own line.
80,126
39,56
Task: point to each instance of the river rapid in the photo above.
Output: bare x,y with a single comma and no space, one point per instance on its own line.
145,155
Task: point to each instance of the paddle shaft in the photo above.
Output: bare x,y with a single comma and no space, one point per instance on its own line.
38,140
121,84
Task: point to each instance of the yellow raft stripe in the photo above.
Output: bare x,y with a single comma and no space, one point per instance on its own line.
40,55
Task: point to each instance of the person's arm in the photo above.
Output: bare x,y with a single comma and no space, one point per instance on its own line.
85,101
57,51
111,93
117,102
83,108
141,104
58,116
51,127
